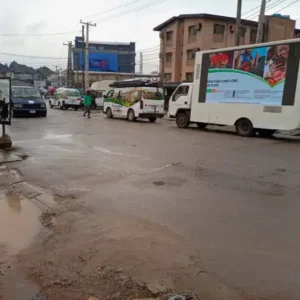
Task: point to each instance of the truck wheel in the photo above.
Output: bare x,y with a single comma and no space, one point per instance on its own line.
152,119
109,113
182,120
244,127
201,125
76,107
265,132
130,115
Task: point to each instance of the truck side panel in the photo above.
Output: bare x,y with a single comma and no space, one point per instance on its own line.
274,105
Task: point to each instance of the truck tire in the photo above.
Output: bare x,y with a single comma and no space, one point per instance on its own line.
109,113
265,132
130,115
182,120
152,119
244,127
201,125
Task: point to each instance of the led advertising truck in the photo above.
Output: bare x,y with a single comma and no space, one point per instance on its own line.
254,88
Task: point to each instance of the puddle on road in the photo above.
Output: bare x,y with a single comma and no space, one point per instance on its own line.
19,222
51,136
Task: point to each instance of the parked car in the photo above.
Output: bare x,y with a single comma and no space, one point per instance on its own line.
27,101
64,98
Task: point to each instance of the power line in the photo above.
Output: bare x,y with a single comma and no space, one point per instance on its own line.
272,5
151,58
286,7
130,11
145,50
37,34
35,63
255,8
114,8
30,56
151,55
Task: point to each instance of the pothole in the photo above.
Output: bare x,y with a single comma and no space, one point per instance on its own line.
19,222
159,183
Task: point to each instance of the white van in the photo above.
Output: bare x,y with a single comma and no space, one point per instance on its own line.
64,98
135,102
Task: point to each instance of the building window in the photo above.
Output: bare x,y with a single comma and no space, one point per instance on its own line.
192,30
242,35
218,33
167,76
242,32
169,38
169,35
169,59
253,33
192,34
189,76
190,56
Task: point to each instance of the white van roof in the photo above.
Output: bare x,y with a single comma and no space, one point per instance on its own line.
101,85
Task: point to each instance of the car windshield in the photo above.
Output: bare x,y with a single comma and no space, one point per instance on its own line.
72,93
19,92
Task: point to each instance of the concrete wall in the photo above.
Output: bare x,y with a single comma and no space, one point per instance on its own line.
279,29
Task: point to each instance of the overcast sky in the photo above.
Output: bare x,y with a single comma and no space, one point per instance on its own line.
38,18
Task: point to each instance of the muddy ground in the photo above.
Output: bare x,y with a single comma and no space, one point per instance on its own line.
58,248
120,210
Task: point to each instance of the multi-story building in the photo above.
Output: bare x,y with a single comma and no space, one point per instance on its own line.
105,56
182,36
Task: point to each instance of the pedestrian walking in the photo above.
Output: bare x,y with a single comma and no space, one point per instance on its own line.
87,102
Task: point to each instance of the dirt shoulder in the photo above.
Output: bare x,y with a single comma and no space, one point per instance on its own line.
81,252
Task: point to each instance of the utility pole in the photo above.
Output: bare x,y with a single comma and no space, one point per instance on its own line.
56,72
141,62
238,22
69,67
82,57
77,69
261,20
88,24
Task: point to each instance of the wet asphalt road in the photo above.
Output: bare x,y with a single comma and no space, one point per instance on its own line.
236,199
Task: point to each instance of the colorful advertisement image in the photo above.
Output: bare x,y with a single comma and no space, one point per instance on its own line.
221,60
99,65
98,61
249,76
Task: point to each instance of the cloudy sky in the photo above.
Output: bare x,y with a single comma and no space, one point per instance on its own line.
32,27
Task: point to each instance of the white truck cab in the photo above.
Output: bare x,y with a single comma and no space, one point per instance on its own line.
180,100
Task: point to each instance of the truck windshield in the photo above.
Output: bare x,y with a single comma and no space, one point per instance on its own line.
23,92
